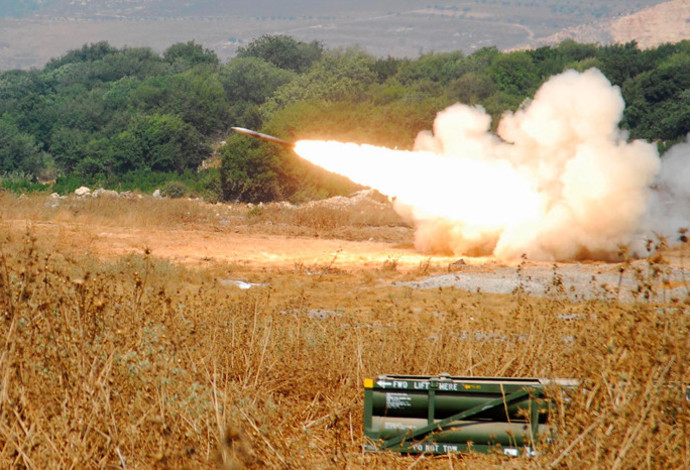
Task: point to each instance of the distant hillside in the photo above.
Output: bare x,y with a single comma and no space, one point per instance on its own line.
34,31
666,22
138,9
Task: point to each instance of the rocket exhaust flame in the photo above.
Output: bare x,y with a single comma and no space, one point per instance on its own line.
423,180
560,181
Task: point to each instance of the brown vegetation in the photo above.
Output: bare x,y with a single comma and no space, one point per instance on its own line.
136,362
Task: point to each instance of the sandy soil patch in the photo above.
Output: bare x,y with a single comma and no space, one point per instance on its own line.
576,281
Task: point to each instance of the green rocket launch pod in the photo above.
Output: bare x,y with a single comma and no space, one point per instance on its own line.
442,414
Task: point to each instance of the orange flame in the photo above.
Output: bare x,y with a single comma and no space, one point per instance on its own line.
482,196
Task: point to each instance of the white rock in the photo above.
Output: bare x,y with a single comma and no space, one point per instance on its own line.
82,191
100,192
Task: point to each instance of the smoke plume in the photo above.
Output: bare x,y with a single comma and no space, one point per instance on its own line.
558,181
669,208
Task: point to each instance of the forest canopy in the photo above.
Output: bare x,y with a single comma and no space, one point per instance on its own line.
105,116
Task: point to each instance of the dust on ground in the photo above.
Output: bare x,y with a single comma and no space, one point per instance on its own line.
636,280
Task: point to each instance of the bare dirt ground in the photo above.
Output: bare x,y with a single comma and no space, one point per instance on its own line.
195,233
203,245
265,251
280,241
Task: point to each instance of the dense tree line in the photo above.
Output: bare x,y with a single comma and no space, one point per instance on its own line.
101,114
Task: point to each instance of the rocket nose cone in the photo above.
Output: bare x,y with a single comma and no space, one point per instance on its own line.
242,130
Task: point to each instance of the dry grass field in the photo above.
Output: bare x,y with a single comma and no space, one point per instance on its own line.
126,342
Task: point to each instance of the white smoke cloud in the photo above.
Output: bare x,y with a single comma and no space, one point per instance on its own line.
593,185
669,208
558,181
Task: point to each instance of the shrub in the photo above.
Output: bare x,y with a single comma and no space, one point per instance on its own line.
174,189
20,182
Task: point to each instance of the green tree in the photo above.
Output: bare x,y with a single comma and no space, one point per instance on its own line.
621,62
84,111
573,51
88,53
435,67
27,96
248,83
160,142
568,54
388,67
515,74
68,146
471,88
344,75
284,52
658,100
18,151
119,96
183,56
253,80
196,95
251,171
482,59
140,62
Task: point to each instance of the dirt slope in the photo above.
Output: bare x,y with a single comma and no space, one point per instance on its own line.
666,22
